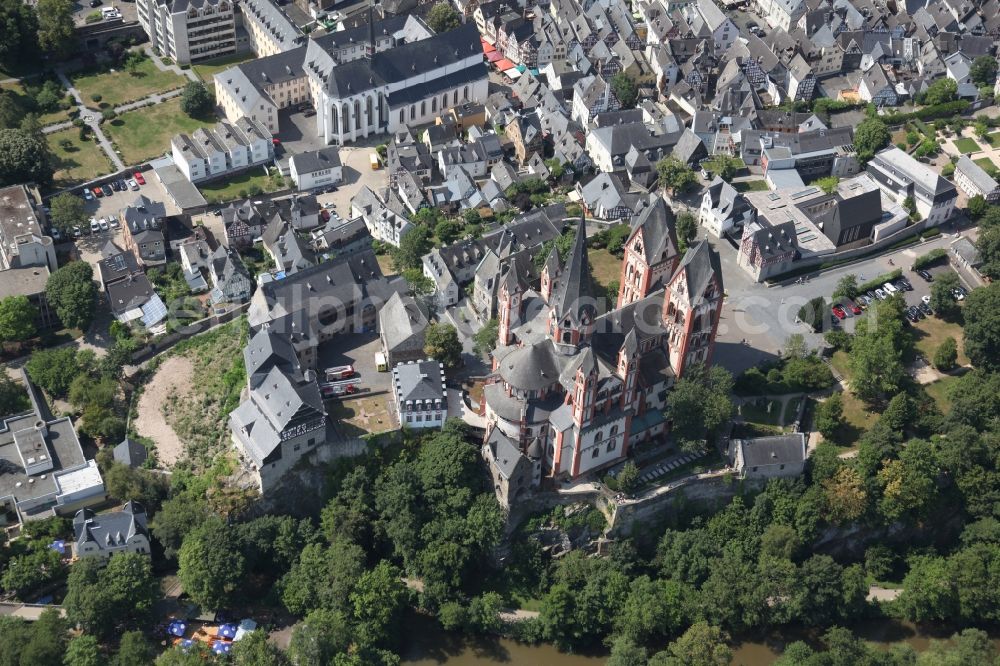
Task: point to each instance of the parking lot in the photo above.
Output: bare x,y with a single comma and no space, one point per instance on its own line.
369,410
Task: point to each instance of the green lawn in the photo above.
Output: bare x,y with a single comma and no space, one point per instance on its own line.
145,133
987,164
120,87
57,116
929,333
239,186
751,186
385,263
993,139
605,266
82,161
967,145
766,413
939,390
209,68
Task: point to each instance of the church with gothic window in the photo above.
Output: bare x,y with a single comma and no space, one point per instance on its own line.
575,387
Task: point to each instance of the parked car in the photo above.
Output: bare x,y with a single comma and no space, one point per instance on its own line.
124,185
925,275
113,221
889,288
76,232
855,308
839,312
903,285
94,226
138,178
103,224
926,309
926,298
132,184
880,295
912,317
56,234
915,311
87,194
957,293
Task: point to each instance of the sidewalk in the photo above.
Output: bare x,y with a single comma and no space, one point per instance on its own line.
186,73
92,121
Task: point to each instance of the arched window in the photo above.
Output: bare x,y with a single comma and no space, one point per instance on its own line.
334,121
402,115
357,115
444,101
434,105
614,431
369,115
423,108
599,436
455,98
465,93
413,111
345,117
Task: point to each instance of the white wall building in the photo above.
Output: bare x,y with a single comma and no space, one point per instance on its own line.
316,168
901,176
226,148
421,397
186,31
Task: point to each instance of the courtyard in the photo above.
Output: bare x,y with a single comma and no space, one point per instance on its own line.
76,161
117,87
371,409
145,133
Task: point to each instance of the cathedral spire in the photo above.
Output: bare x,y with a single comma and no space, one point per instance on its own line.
370,47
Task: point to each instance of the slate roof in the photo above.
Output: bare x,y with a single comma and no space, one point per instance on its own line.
659,237
110,530
400,320
776,450
572,298
130,452
505,452
420,380
532,367
699,265
317,160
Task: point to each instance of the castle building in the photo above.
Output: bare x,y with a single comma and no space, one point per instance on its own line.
572,389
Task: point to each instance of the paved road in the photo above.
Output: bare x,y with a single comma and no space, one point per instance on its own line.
92,120
765,317
148,101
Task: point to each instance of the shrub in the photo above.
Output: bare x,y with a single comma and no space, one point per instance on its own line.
839,340
946,355
880,280
814,313
829,415
929,259
96,97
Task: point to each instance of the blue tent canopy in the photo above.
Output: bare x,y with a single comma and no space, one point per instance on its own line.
177,628
533,71
59,546
221,647
227,631
187,644
521,68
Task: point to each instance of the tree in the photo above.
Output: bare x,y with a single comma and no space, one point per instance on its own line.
73,294
625,90
485,339
687,227
83,651
988,245
378,599
624,652
67,212
983,71
255,650
830,415
726,166
133,650
699,403
977,207
701,645
845,495
412,247
420,284
55,27
18,34
24,158
443,17
628,477
448,231
442,344
196,100
210,567
48,640
54,369
908,482
929,592
102,599
318,638
653,610
942,91
813,313
17,319
323,577
675,175
870,136
13,397
942,299
876,355
946,355
982,327
847,287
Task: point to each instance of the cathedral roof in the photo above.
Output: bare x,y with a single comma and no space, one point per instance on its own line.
532,367
659,239
572,296
698,267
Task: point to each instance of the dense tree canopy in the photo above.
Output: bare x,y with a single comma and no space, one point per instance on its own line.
442,344
699,403
443,17
24,158
982,327
624,89
870,136
17,319
71,291
196,100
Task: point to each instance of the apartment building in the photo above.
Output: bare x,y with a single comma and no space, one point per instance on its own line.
189,30
226,148
22,242
269,30
901,176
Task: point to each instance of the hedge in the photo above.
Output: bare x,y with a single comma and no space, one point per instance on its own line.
930,258
946,110
880,280
933,232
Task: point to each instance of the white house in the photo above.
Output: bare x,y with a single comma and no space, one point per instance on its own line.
707,20
901,176
723,208
316,168
421,397
223,149
974,181
782,13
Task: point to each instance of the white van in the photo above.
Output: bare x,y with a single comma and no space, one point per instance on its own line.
889,288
